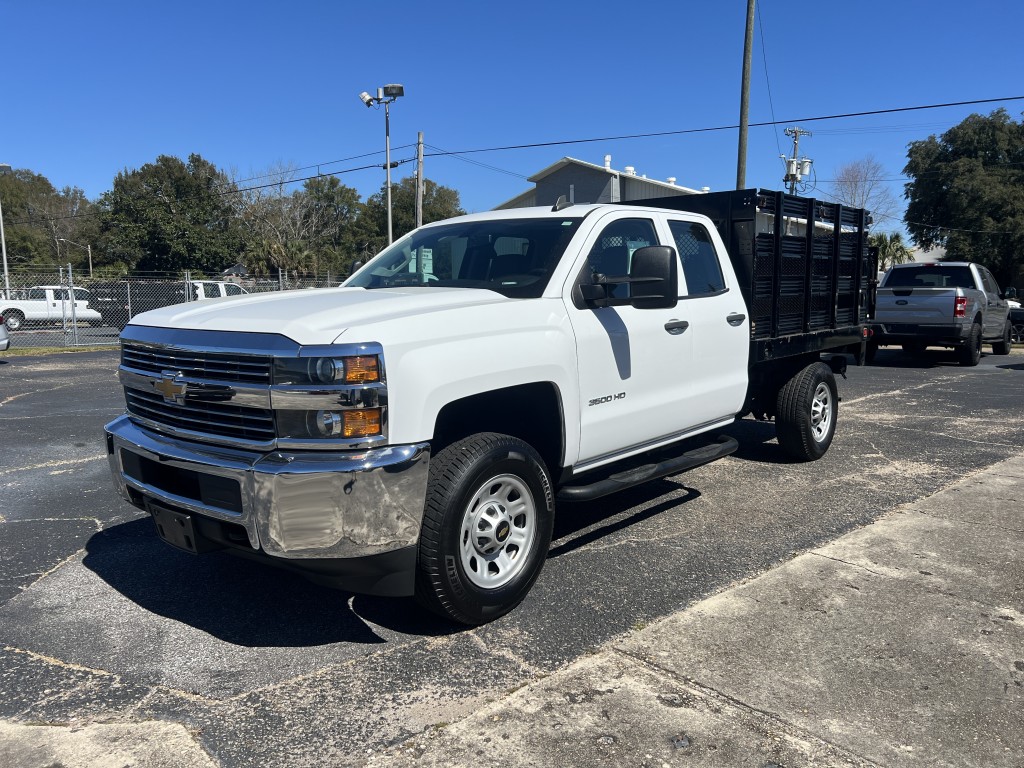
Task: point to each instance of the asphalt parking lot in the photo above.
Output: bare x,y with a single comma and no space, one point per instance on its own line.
100,622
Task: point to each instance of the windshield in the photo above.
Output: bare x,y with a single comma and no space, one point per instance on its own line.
514,257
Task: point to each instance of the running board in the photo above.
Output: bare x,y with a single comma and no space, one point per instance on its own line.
637,475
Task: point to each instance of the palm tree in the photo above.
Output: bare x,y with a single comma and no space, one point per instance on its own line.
891,249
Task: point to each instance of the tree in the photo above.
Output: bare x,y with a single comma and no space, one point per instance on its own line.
306,229
171,215
891,249
438,203
36,215
966,193
861,184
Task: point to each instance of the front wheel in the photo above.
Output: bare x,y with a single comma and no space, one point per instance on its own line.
1017,333
806,412
1005,344
486,528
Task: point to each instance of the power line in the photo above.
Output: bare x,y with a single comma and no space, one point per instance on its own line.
318,165
767,81
764,124
655,134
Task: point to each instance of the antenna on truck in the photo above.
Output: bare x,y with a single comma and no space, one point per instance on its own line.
560,204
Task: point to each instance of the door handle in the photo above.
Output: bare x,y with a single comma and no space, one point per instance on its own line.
735,319
676,327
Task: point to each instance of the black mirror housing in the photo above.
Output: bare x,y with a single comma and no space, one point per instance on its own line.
654,277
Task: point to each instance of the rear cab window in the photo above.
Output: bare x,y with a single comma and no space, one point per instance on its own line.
698,257
928,276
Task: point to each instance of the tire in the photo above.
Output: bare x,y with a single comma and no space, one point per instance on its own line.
1004,345
870,350
13,319
806,412
486,529
1017,333
970,353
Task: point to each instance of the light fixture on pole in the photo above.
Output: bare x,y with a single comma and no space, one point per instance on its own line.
385,96
4,168
87,247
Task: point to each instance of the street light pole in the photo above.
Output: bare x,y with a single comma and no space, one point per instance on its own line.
4,168
387,162
88,248
386,96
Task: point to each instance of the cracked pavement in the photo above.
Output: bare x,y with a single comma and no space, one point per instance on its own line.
100,623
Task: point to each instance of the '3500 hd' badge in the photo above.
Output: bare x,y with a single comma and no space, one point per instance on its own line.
606,399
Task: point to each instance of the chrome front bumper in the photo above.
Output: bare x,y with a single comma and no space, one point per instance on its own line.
298,506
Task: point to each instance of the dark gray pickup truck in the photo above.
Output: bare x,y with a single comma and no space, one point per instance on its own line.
955,304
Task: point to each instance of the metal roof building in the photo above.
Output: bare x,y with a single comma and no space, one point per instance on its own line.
582,182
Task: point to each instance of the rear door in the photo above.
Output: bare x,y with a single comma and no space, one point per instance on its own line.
996,310
712,305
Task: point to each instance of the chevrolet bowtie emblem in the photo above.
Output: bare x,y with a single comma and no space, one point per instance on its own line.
172,387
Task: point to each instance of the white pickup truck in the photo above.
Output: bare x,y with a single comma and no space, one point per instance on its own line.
411,432
47,304
954,304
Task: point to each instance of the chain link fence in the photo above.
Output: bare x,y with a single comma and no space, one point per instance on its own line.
38,310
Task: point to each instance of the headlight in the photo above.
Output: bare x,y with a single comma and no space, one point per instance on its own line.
348,424
352,369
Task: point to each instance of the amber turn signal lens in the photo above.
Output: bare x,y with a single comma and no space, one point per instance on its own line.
361,369
362,423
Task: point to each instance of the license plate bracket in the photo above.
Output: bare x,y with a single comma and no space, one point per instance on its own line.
178,529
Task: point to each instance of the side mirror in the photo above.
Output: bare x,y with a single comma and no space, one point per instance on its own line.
654,277
355,267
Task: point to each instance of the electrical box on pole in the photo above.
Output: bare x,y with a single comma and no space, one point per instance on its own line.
796,167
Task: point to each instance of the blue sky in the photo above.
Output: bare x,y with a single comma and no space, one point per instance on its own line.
91,89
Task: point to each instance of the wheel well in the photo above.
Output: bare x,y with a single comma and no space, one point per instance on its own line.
531,412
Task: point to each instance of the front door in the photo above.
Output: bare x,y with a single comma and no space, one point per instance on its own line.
633,363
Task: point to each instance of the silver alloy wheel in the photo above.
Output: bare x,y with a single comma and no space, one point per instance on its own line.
498,530
821,412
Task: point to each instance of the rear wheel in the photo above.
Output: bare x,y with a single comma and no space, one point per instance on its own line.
13,319
970,353
486,528
806,413
1005,344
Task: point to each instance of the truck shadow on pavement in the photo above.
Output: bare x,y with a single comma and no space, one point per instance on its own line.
929,358
242,602
580,523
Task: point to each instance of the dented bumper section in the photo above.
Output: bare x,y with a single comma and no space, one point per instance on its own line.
347,518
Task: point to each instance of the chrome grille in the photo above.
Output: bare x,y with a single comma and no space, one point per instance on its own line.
215,366
249,424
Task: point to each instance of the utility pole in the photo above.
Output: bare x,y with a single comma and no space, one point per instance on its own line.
419,179
748,46
796,167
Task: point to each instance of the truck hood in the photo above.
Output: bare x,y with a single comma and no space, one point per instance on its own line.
318,316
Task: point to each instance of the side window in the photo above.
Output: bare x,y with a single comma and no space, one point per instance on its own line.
211,291
700,261
36,294
614,248
233,290
989,281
